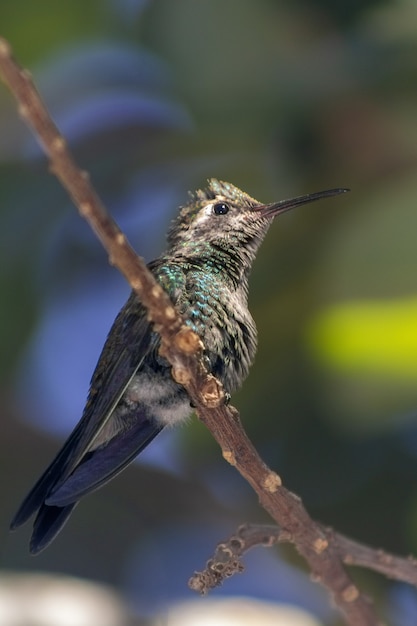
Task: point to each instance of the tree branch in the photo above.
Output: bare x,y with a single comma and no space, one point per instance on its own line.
226,560
183,349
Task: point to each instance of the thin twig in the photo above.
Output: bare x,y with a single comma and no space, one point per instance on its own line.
359,555
183,349
226,560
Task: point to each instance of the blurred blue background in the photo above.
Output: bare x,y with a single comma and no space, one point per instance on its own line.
280,99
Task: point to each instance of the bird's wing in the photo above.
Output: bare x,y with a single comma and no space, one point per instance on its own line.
104,463
94,469
130,340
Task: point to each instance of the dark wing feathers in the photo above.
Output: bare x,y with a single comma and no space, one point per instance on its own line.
104,463
81,467
40,490
128,344
130,340
99,467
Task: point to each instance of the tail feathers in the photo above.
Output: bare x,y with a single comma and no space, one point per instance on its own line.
37,494
50,519
30,504
48,523
43,487
55,500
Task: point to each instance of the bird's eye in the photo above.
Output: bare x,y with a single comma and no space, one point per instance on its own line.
220,208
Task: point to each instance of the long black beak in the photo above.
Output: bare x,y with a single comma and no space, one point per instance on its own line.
276,208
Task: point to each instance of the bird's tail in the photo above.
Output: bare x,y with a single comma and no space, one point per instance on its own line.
54,496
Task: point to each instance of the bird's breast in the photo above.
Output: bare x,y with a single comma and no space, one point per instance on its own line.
221,318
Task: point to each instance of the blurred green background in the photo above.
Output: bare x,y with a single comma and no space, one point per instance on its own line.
281,99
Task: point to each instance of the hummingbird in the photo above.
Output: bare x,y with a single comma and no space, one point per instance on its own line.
211,246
